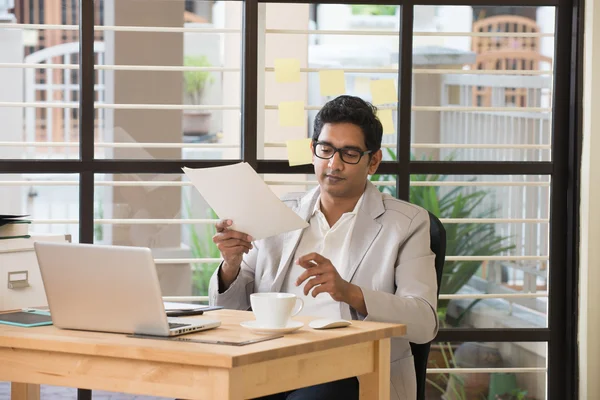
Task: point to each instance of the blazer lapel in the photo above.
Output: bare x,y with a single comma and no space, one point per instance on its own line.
366,229
292,239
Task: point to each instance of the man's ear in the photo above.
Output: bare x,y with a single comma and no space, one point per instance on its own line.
375,161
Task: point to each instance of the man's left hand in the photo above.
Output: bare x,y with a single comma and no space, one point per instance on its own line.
323,277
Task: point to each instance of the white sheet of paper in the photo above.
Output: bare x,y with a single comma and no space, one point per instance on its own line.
238,193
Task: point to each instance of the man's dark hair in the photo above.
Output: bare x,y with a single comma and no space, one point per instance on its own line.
352,110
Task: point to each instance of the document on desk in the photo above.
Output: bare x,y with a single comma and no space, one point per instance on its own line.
207,341
238,193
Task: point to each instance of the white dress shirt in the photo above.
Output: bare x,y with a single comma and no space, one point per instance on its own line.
330,242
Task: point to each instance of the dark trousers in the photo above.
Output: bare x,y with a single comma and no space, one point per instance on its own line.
345,389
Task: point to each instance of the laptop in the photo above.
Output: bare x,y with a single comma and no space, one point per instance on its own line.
108,289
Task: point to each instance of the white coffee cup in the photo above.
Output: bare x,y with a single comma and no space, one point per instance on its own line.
274,310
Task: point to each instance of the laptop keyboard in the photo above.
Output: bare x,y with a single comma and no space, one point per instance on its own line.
173,325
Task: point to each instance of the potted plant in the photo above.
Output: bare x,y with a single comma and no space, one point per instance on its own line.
196,122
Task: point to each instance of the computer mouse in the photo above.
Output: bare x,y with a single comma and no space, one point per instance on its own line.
327,323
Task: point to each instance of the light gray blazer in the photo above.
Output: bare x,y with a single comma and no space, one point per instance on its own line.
391,261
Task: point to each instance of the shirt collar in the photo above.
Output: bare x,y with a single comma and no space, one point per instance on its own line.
317,207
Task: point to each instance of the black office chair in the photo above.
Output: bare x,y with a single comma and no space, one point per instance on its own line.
421,351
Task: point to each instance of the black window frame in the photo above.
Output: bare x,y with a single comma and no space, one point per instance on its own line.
561,333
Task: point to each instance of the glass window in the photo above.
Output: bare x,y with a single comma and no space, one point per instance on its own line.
488,365
37,99
51,202
172,89
484,95
497,255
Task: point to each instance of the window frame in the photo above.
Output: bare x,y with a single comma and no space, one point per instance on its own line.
561,333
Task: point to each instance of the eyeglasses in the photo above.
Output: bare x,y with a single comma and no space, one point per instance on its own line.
326,151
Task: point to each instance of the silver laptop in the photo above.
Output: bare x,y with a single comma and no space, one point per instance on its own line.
108,289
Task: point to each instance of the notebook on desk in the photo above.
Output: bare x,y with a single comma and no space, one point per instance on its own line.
108,289
26,318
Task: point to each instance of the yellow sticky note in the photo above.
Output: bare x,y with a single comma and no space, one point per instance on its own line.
383,91
287,70
385,116
299,152
332,82
362,85
291,113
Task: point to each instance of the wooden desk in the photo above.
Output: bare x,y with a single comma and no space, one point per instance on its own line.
114,362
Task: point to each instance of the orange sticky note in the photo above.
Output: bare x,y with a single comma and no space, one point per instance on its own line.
291,113
287,70
332,82
299,152
385,116
362,85
383,91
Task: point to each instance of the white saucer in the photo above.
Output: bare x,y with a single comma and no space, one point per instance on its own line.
256,328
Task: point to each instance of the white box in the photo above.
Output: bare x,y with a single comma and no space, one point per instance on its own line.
21,284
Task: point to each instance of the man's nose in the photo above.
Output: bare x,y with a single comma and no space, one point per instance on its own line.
336,162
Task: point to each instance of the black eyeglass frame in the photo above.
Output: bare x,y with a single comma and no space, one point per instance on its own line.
340,150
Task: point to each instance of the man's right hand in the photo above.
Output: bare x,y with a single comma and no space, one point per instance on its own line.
232,245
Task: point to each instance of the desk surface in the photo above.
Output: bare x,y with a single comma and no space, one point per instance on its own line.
108,361
305,340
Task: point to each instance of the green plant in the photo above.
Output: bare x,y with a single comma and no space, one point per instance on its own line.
202,246
373,10
196,81
464,239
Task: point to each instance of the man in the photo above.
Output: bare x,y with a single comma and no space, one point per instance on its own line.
365,255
